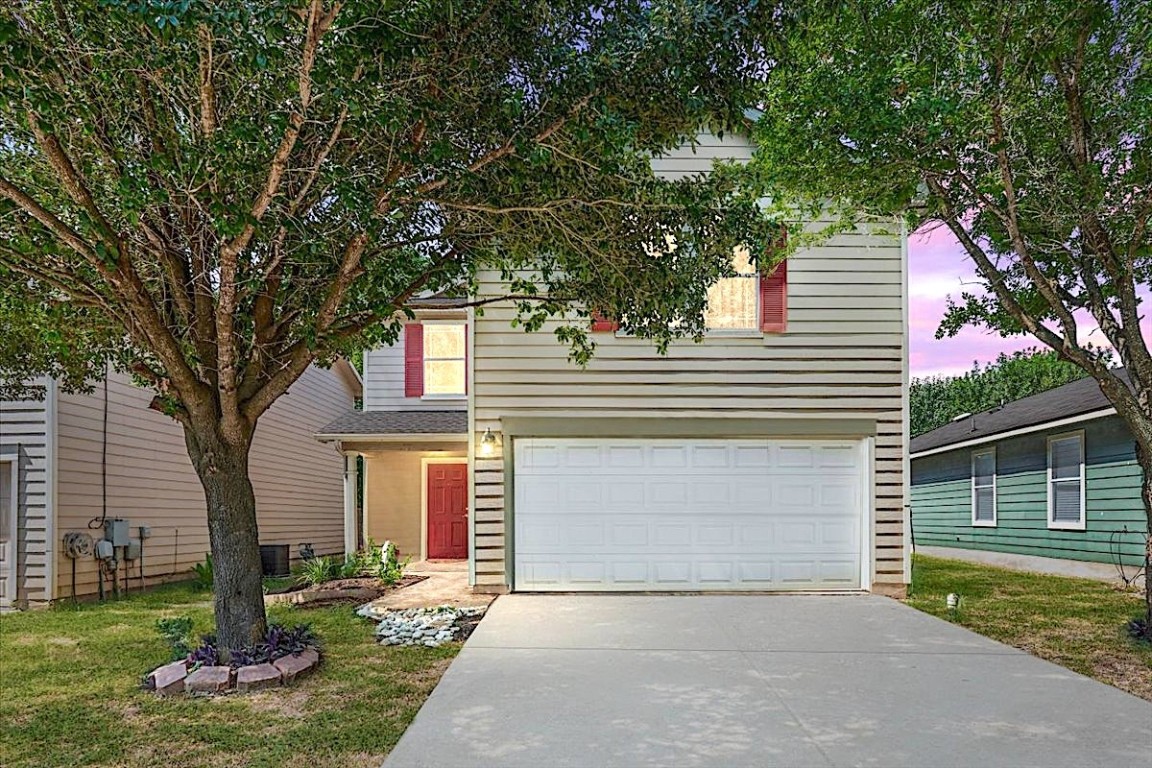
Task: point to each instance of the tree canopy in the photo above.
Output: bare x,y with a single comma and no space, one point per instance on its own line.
936,400
1020,125
215,196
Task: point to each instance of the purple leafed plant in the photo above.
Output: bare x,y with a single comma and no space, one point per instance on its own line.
279,641
206,654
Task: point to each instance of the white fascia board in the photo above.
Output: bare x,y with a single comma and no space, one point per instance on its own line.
1014,432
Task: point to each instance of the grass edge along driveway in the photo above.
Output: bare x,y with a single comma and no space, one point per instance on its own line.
69,692
1076,623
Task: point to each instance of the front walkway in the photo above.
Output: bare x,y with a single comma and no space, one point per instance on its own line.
446,584
602,680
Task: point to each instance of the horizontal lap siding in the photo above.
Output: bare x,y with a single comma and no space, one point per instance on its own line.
843,357
24,439
1114,518
384,378
297,480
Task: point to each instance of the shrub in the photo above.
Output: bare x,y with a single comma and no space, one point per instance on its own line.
319,570
204,573
177,633
279,641
391,570
378,562
206,654
352,566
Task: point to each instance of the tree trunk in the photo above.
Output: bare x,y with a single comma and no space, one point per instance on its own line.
232,533
1144,459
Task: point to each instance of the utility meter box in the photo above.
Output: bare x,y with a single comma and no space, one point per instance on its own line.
104,550
116,531
132,551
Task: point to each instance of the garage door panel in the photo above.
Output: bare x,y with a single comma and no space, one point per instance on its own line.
706,514
737,534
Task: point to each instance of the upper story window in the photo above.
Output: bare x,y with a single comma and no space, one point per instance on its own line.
747,302
733,302
984,488
1066,481
445,358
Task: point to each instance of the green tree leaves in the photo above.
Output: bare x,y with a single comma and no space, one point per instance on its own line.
936,400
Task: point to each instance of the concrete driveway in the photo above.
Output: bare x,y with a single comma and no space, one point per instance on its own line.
604,680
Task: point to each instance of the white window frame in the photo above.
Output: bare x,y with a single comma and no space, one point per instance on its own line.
754,329
1064,525
995,470
424,362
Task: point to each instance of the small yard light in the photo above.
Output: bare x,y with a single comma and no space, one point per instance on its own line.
488,443
953,601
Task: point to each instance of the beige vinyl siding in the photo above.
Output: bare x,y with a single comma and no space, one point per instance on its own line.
150,480
843,357
25,439
384,376
394,498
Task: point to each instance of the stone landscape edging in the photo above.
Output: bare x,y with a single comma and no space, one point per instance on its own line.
177,678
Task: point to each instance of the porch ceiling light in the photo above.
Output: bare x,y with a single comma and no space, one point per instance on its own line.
488,443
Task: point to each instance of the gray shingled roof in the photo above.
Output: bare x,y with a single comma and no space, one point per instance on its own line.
398,423
1079,397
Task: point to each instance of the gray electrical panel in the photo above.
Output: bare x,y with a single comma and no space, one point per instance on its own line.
116,531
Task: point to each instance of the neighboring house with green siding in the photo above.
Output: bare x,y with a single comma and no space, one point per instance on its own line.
1047,483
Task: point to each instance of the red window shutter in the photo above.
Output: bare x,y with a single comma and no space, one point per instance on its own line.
413,360
774,299
601,324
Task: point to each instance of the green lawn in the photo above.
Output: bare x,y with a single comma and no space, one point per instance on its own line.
1077,623
69,692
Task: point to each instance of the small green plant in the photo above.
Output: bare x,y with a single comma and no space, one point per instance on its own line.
390,569
177,633
319,570
204,572
353,566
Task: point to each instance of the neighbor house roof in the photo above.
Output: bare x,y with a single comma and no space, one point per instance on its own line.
392,424
1077,399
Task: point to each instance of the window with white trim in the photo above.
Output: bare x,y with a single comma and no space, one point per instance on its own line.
445,358
1066,481
733,302
984,487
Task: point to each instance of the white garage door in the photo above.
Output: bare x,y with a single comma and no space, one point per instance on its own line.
596,514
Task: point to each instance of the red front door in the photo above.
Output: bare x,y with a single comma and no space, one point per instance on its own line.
447,511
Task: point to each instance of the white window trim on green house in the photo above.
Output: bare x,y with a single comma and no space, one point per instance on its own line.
1053,481
977,486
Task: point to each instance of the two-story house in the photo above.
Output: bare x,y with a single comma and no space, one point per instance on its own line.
770,456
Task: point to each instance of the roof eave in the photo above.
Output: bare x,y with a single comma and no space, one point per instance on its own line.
391,437
1038,427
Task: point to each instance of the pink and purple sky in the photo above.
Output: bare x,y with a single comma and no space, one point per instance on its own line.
937,268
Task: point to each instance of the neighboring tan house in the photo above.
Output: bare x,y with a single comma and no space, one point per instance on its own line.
70,461
770,456
1046,483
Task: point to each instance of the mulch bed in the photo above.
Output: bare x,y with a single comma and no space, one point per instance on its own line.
344,591
467,625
